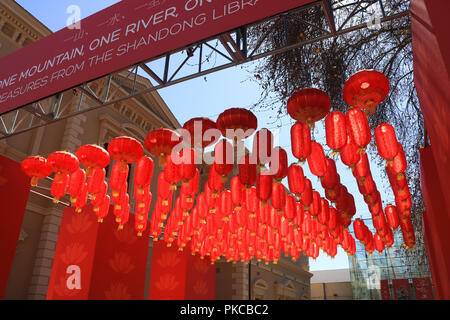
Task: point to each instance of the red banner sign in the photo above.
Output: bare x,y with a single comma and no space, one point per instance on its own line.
96,261
120,262
385,291
423,289
168,273
402,290
179,275
201,279
74,256
14,191
124,34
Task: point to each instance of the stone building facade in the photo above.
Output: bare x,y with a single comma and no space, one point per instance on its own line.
33,260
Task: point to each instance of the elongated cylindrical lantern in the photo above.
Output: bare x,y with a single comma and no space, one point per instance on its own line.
237,191
290,210
336,131
264,187
143,173
279,164
307,194
350,154
63,164
278,196
296,179
358,127
362,167
263,146
76,183
301,141
224,158
399,164
247,171
188,166
392,216
316,160
331,178
386,140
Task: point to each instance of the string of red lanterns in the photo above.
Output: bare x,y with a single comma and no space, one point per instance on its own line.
252,215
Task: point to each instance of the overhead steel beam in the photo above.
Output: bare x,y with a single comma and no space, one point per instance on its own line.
235,51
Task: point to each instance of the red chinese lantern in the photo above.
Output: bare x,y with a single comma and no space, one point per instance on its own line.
392,216
264,187
378,242
307,194
81,199
279,164
63,164
223,158
366,89
336,131
36,168
237,192
188,166
315,207
160,143
301,141
247,171
125,150
350,154
296,179
143,173
263,146
237,123
358,127
324,213
278,196
76,183
359,229
399,164
103,209
93,156
316,160
95,181
362,167
386,140
197,128
309,105
100,196
290,210
331,178
172,171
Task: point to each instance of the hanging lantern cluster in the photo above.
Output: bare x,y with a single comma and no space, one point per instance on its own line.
249,215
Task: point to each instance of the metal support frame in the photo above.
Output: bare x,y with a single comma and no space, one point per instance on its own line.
233,48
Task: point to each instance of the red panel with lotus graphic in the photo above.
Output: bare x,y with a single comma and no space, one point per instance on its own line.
14,191
168,274
74,256
120,262
200,279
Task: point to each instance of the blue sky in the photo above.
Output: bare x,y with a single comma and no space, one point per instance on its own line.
199,97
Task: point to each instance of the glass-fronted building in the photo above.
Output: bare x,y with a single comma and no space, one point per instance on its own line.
371,275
